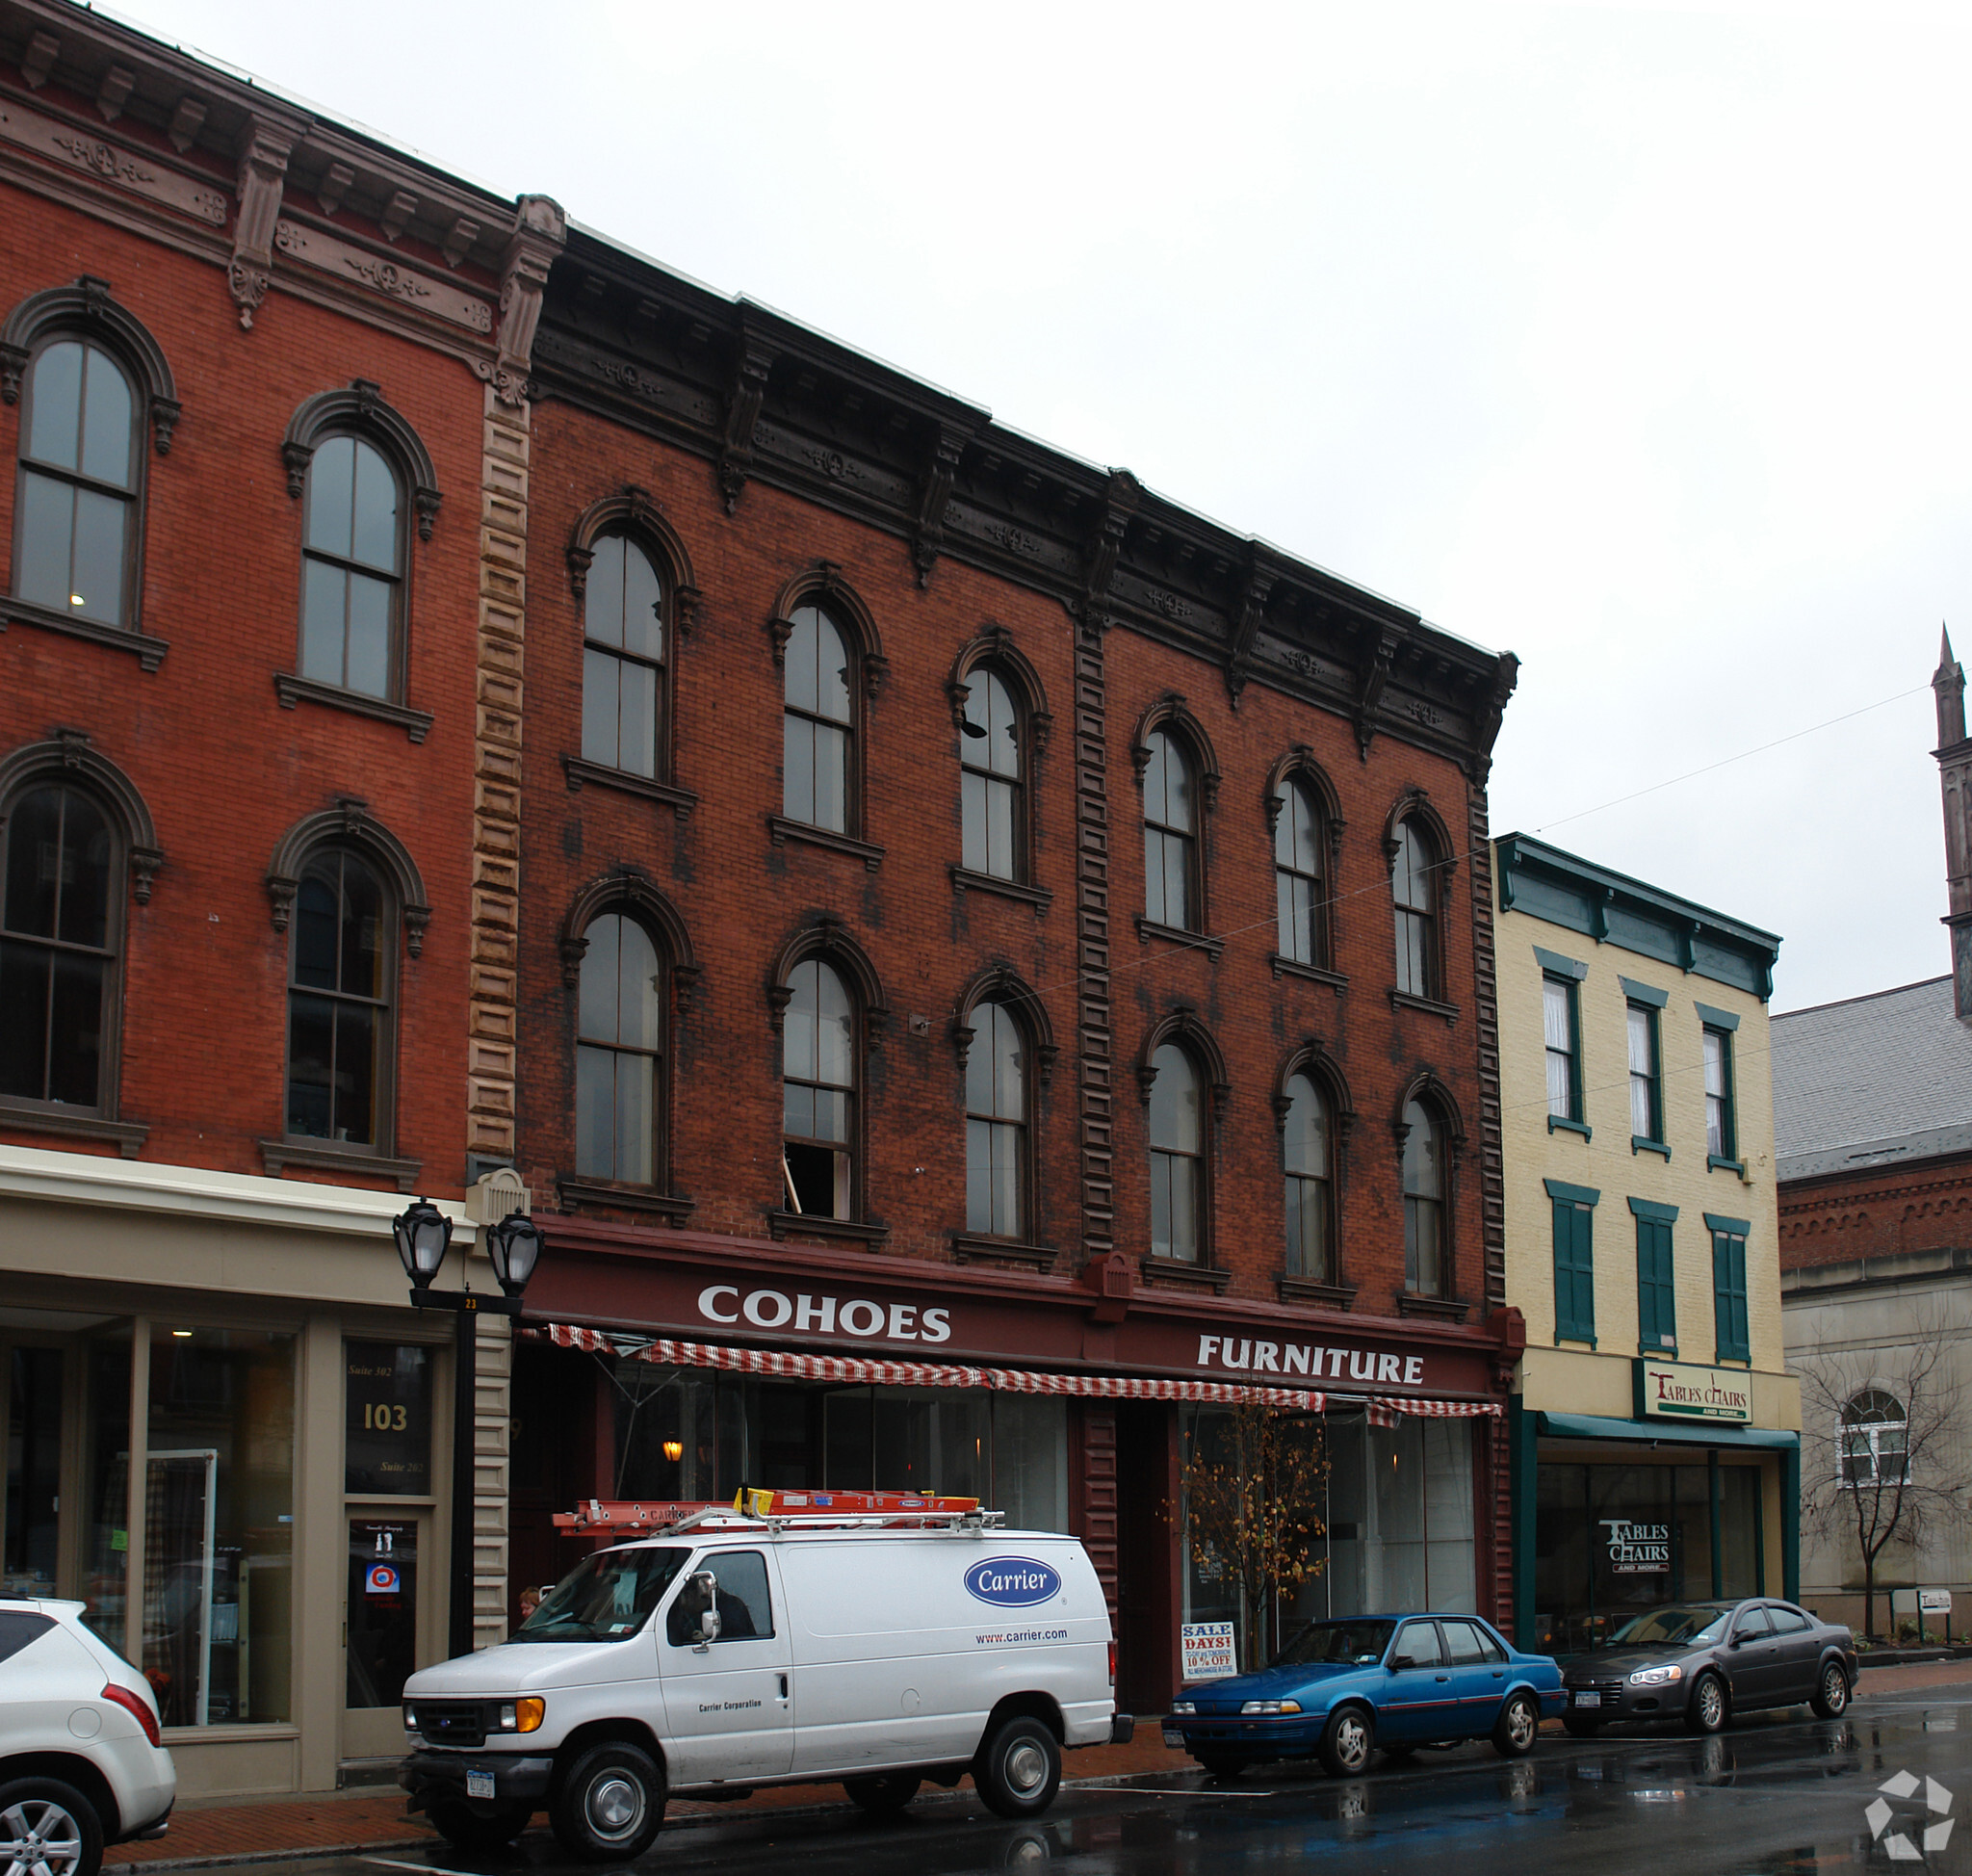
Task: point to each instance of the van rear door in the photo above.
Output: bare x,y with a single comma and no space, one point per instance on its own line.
728,1704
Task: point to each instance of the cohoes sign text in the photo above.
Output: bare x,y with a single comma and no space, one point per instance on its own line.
855,1317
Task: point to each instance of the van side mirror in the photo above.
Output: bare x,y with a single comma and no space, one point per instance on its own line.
702,1593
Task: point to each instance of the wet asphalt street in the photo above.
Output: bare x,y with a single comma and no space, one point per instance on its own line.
1781,1795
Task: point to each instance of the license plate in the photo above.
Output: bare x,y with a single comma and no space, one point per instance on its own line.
478,1784
1173,1737
1588,1700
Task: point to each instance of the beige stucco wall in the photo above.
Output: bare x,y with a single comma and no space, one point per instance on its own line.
1567,1379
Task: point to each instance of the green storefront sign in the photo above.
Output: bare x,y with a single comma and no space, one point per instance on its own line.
1680,1390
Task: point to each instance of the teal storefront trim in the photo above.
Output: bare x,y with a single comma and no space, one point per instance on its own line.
1527,1428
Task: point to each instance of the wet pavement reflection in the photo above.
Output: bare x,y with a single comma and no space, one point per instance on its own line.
1773,1796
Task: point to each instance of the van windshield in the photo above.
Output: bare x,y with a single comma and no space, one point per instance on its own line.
605,1598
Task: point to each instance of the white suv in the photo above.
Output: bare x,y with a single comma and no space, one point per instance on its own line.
81,1764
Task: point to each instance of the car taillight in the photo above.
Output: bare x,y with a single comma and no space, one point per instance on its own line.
1112,1663
134,1703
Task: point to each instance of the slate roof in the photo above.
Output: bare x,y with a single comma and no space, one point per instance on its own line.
1873,1080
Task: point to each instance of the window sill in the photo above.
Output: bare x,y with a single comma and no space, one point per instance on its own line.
324,1155
965,880
579,769
1440,1309
292,690
125,1135
1736,1167
1426,1006
1561,1124
970,1247
780,830
1732,1360
574,1193
1658,1354
805,1224
1186,1276
1287,966
150,651
1637,1144
1325,1296
1191,941
1562,1337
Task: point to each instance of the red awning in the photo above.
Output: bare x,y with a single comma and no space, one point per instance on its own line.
856,1370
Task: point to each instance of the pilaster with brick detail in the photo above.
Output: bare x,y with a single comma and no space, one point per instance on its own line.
1095,1055
1485,1017
491,1017
492,1417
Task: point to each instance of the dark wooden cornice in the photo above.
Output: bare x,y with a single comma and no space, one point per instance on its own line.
767,400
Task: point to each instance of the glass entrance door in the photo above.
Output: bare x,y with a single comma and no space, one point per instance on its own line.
382,1624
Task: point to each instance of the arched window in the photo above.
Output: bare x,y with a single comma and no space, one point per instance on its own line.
619,1053
353,570
991,763
997,1064
1876,1440
1307,1161
80,459
818,728
819,1092
61,928
623,657
1178,1157
341,997
1171,879
1424,1193
1413,889
1300,897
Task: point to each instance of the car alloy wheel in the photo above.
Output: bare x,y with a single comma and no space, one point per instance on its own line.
1833,1698
1345,1742
1709,1703
1518,1726
43,1835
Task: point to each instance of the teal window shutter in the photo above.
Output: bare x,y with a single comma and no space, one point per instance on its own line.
1656,1289
1728,1290
1574,1271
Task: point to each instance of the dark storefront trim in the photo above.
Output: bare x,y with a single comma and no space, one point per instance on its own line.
1526,1429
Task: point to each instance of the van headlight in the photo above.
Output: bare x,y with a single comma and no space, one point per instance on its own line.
1657,1677
1271,1706
1183,1707
521,1716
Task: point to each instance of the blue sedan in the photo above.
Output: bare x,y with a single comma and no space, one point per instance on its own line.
1340,1690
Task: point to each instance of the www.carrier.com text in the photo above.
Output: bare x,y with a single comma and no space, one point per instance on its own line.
1008,1636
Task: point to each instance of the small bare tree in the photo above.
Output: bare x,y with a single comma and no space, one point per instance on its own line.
1254,1496
1884,1453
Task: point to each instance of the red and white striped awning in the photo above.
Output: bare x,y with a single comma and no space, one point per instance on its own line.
851,1370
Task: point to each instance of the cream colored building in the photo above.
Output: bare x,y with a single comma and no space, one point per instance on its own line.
229,1435
1655,1430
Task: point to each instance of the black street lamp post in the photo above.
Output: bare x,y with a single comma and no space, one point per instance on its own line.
424,1235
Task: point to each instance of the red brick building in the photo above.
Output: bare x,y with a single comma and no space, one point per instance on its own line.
1213,761
254,636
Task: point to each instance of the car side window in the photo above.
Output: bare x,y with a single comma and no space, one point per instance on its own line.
18,1628
1788,1621
1752,1623
1418,1641
1466,1644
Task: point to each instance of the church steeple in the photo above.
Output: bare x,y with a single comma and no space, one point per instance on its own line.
1955,777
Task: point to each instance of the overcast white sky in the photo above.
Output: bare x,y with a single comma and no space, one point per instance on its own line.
1632,339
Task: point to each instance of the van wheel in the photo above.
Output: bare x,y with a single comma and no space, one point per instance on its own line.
490,1827
884,1796
47,1826
1019,1769
1346,1742
608,1807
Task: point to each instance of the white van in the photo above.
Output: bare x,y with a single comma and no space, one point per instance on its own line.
728,1651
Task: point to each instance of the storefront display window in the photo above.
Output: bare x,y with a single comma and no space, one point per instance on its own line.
687,1434
1400,1518
34,1471
105,1355
219,1525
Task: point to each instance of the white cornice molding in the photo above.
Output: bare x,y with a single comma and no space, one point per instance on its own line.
197,1192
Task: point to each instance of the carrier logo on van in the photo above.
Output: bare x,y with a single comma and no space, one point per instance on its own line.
1013,1582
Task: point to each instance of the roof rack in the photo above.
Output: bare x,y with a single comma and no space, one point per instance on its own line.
779,1511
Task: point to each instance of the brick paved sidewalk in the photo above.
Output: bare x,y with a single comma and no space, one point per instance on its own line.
374,1818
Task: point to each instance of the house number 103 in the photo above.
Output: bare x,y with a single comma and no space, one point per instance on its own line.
382,1417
